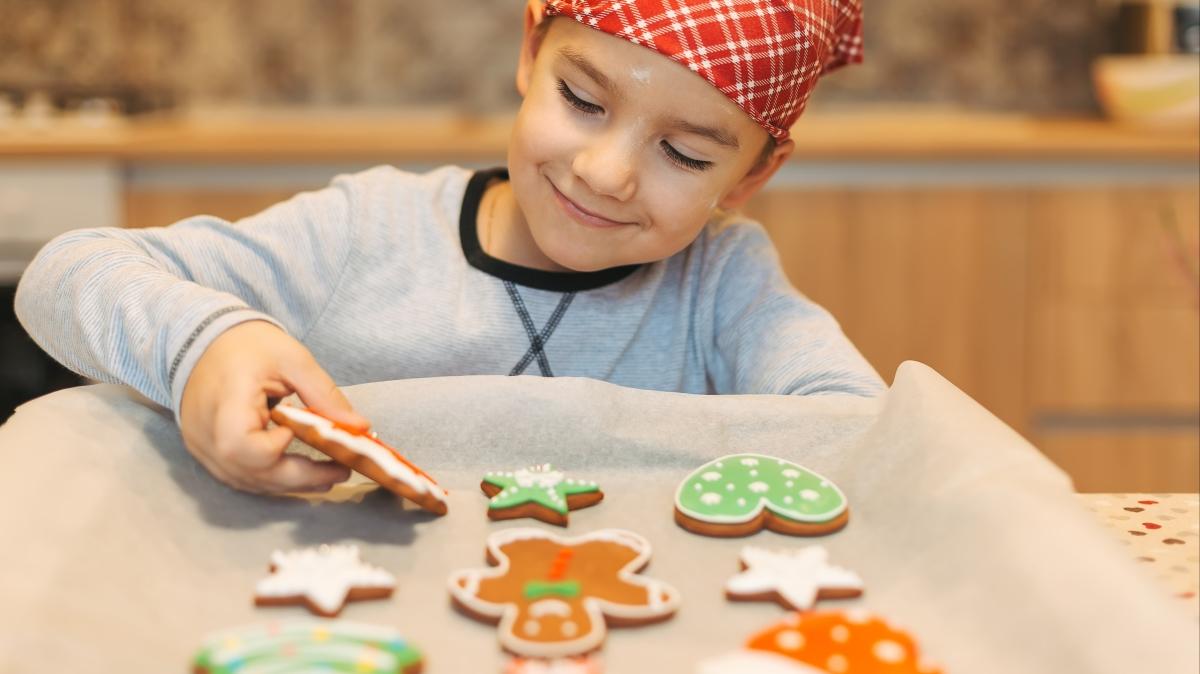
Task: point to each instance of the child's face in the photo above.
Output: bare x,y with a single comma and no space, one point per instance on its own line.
620,155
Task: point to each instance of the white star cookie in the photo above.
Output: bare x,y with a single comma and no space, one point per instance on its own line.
322,578
794,578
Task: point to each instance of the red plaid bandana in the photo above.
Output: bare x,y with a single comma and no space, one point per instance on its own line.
764,55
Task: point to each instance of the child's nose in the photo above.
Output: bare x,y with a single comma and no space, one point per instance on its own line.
608,167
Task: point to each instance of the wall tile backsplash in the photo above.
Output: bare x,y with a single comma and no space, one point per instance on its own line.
1004,55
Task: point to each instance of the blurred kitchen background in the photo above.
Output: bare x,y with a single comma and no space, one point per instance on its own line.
1006,190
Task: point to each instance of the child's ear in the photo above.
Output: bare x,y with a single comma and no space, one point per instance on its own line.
530,42
757,177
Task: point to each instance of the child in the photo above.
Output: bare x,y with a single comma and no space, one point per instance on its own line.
605,250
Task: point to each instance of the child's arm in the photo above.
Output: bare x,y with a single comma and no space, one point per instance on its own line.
204,307
767,337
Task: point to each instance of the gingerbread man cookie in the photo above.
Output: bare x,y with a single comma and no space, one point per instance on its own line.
854,642
539,492
741,494
555,597
365,453
794,578
323,579
307,646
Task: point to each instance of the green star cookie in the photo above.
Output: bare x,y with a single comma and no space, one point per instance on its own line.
539,492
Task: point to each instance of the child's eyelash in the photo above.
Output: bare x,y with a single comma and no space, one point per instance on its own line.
676,157
684,160
577,102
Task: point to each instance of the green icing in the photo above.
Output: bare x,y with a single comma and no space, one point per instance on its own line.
539,484
733,489
306,645
536,589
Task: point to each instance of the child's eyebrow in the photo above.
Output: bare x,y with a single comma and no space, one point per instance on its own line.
588,69
718,136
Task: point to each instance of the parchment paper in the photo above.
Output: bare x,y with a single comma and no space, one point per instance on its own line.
120,553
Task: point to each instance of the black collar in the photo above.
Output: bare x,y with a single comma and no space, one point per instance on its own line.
557,281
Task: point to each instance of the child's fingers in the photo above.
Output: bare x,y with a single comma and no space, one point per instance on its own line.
318,391
301,474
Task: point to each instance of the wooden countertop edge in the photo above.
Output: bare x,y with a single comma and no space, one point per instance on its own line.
840,138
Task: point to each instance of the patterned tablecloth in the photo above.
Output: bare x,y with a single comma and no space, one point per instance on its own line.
1162,531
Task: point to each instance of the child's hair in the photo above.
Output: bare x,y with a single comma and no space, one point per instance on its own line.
766,56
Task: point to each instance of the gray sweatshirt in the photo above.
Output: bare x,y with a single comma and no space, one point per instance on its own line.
381,276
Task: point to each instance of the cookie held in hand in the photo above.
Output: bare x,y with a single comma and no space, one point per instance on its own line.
539,492
323,579
555,597
307,645
365,453
742,494
796,579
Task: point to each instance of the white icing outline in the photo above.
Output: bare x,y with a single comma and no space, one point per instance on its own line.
763,501
365,447
597,609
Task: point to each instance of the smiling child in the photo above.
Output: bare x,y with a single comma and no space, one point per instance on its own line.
609,248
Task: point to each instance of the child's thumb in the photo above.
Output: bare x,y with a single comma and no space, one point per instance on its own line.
319,392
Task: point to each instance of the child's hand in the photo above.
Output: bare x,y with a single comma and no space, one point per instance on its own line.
223,415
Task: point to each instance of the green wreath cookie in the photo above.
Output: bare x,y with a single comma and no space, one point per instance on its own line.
307,646
740,494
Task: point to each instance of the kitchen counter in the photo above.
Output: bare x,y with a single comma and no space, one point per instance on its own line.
449,136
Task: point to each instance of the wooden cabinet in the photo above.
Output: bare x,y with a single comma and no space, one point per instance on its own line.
1070,312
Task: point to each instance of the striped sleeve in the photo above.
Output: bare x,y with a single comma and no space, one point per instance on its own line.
139,307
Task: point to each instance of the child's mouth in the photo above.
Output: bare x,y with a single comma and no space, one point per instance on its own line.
581,215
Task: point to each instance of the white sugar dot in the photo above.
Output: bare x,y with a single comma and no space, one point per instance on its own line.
858,616
840,634
741,501
791,472
790,483
790,640
568,628
698,487
729,486
710,498
788,500
711,476
754,472
719,464
837,664
759,487
532,627
809,495
749,461
888,651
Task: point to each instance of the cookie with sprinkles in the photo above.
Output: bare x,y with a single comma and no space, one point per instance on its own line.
540,492
307,646
742,494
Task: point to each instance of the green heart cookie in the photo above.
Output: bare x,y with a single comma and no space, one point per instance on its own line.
739,494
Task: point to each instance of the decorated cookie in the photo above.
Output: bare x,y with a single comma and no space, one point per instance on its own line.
365,453
307,646
739,495
539,492
579,664
323,579
794,578
854,642
554,597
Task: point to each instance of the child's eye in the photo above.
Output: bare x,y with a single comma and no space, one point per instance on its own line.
577,102
683,160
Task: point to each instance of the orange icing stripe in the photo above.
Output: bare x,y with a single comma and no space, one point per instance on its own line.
367,434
